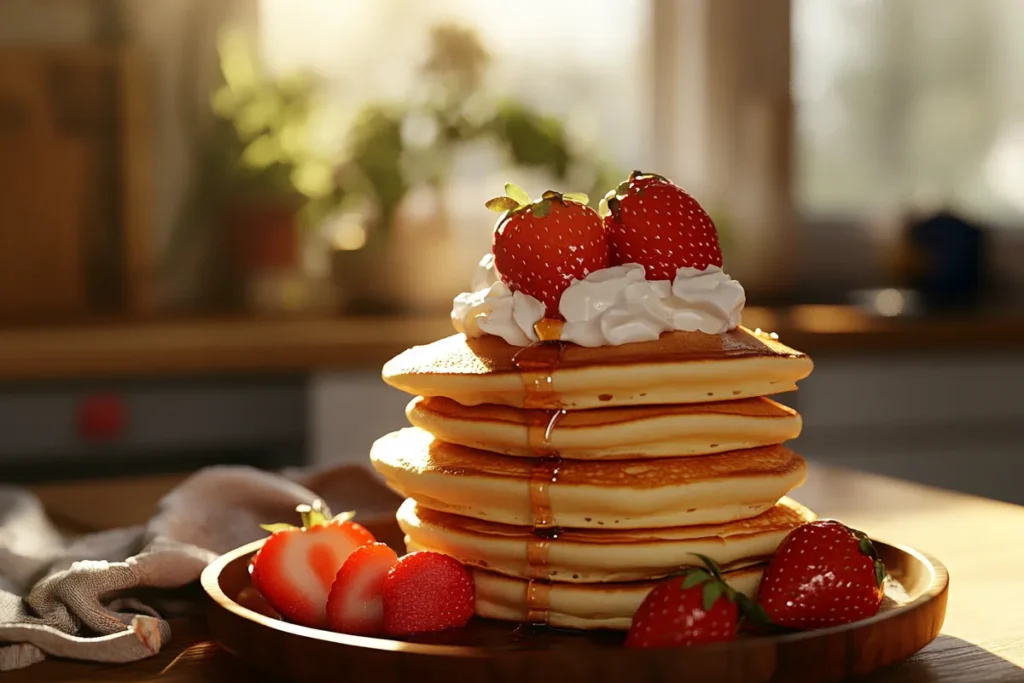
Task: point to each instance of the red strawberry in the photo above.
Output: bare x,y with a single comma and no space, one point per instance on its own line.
355,604
427,591
541,247
295,567
653,222
822,574
693,608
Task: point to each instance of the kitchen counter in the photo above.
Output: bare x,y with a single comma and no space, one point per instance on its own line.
982,640
246,345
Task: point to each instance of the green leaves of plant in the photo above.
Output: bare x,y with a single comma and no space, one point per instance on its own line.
274,528
542,208
578,197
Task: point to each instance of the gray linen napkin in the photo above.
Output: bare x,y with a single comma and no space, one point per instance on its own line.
105,597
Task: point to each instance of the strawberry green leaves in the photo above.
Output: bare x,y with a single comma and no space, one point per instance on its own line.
500,204
712,591
315,514
516,199
868,548
517,194
695,577
711,578
610,202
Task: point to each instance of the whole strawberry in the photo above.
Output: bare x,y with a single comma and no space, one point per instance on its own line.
823,574
296,567
427,591
693,608
653,222
541,247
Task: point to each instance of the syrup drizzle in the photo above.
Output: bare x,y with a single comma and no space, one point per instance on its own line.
536,364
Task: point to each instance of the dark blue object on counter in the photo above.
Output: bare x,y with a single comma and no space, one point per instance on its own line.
950,252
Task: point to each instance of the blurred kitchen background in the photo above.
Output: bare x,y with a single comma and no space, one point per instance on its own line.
219,218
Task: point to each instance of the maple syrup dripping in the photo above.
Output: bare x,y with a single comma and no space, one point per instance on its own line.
536,365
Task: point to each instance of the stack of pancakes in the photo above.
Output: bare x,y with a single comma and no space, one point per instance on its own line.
571,479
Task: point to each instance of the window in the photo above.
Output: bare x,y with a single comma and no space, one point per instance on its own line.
371,49
903,100
582,61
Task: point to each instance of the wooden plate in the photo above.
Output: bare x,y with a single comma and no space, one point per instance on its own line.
494,651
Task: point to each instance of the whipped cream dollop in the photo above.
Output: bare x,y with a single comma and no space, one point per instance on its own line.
609,307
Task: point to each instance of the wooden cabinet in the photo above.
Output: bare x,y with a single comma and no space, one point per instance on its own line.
74,171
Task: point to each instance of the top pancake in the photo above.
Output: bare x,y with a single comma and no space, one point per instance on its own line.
679,367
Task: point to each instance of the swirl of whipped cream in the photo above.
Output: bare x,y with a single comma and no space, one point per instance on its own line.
609,307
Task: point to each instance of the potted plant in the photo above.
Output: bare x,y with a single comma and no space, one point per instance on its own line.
258,179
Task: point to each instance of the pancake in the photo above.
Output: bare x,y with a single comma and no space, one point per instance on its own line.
600,555
679,367
619,433
637,494
583,605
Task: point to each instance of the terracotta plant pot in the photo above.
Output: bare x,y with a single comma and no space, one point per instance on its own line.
264,235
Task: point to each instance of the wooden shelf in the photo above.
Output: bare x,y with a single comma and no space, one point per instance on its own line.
266,346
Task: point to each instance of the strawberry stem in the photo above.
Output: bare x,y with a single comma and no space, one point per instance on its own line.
636,175
313,515
711,565
753,612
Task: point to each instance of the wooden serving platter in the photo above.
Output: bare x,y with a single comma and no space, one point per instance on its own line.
246,626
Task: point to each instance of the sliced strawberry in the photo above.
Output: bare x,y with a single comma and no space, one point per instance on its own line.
425,592
653,222
295,568
541,247
355,604
822,574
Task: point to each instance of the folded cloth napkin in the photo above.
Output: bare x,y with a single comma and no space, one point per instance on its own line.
105,597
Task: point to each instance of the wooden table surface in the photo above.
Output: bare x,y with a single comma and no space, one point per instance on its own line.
154,348
980,541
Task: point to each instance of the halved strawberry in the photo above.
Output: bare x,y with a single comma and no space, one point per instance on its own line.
355,604
295,568
427,591
541,247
